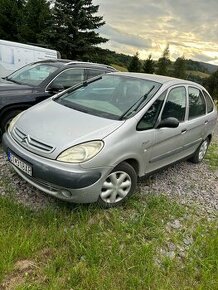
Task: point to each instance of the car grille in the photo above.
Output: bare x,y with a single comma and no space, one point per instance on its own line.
31,143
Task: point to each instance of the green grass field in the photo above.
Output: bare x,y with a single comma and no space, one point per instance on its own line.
83,247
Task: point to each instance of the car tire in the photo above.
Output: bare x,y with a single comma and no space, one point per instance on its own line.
118,186
200,152
7,119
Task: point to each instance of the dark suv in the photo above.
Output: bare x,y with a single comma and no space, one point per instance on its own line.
40,80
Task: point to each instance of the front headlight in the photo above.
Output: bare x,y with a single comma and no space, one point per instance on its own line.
82,152
13,121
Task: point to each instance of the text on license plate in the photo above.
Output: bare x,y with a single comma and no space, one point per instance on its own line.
20,164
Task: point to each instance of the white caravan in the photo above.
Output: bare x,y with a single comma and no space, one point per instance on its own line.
14,55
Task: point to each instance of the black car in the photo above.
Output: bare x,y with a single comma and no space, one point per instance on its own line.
40,80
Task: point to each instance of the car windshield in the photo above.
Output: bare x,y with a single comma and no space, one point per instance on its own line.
32,74
110,96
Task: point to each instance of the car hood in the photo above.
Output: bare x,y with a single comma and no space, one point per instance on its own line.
61,127
9,87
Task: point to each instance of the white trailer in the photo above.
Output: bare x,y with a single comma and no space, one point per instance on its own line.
14,55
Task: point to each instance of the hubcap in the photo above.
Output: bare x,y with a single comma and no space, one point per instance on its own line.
203,150
116,187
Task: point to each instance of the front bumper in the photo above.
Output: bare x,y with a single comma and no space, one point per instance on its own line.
68,182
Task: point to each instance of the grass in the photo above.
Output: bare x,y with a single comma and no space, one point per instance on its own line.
84,247
212,156
120,68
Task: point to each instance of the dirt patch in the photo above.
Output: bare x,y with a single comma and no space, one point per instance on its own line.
22,269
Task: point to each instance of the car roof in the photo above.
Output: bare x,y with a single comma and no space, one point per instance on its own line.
157,78
68,62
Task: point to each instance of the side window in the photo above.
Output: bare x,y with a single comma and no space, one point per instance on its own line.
68,78
197,106
150,117
94,72
175,105
209,102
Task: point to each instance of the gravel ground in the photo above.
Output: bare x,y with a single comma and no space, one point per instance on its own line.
184,182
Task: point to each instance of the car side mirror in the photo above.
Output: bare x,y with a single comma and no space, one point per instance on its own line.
55,88
170,122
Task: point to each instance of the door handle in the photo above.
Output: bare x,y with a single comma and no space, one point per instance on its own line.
183,131
206,122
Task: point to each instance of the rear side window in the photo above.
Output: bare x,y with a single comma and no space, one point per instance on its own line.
197,106
94,72
69,77
175,105
208,102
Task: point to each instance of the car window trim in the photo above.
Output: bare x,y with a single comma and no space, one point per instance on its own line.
70,68
197,88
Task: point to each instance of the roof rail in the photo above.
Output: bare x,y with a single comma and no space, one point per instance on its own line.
91,63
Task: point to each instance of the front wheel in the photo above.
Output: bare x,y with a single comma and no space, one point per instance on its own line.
118,186
200,152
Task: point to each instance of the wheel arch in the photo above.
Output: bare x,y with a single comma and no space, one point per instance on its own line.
134,163
11,108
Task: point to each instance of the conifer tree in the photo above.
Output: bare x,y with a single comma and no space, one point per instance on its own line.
149,65
73,31
164,62
180,68
10,18
135,64
36,20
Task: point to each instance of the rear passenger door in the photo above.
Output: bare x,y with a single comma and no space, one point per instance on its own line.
197,120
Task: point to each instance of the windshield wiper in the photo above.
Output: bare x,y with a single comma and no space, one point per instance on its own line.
138,103
13,81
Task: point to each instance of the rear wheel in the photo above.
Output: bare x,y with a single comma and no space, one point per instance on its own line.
200,152
118,186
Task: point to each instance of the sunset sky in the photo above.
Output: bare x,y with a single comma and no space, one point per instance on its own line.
189,26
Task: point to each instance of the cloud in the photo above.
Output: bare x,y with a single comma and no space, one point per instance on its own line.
125,38
147,26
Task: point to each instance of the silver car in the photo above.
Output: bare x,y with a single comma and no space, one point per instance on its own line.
91,142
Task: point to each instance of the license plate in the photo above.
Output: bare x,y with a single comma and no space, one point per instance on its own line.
22,165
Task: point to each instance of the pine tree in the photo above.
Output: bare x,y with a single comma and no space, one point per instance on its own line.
164,62
149,64
36,19
135,64
180,68
211,84
10,18
73,31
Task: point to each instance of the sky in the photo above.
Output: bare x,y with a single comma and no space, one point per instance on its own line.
190,27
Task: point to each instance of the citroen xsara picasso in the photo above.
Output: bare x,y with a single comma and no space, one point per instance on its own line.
90,143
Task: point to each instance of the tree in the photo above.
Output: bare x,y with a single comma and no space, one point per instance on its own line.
73,31
10,17
135,64
148,66
164,62
36,20
180,68
211,84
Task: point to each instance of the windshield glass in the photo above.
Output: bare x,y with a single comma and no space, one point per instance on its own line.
110,96
32,74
